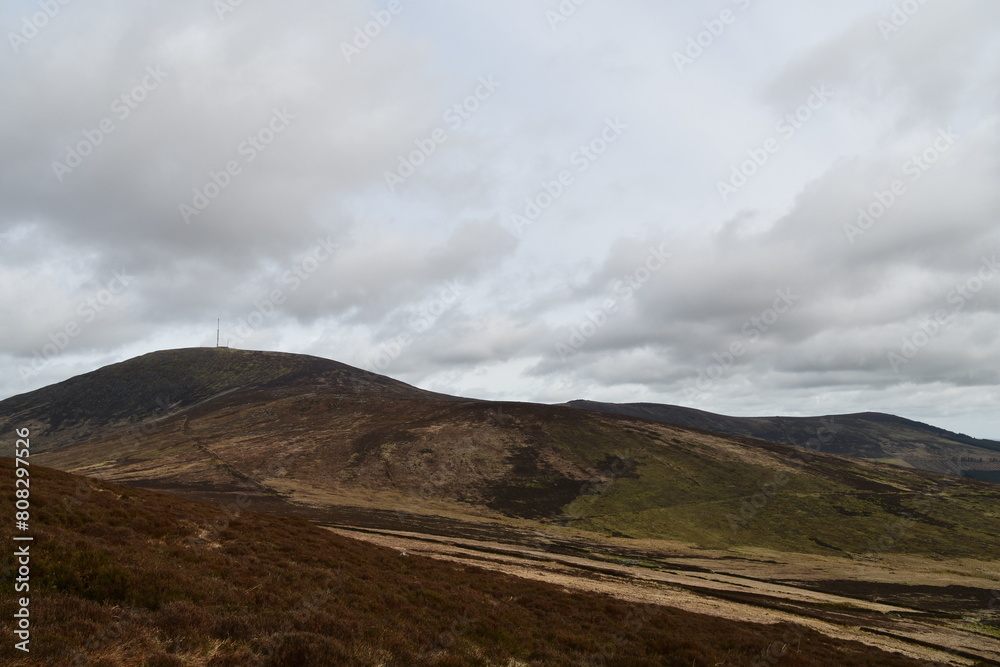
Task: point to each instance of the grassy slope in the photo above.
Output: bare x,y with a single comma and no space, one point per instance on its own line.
867,435
162,381
679,486
320,432
122,576
597,472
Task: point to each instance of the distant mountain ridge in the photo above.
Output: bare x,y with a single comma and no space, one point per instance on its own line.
866,435
317,436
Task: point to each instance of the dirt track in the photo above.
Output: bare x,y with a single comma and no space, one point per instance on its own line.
927,609
918,634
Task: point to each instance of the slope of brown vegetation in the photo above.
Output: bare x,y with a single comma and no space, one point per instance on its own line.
122,576
323,434
868,435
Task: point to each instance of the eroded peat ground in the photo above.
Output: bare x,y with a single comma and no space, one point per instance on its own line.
929,609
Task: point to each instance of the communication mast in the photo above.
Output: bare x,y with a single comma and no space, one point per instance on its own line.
218,331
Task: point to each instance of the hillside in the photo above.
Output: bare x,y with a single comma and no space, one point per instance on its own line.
162,382
123,577
343,442
868,435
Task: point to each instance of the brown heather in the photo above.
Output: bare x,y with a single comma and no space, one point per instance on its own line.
123,576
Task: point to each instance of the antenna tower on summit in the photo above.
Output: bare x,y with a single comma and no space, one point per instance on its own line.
218,331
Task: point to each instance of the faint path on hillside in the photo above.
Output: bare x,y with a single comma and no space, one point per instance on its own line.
891,628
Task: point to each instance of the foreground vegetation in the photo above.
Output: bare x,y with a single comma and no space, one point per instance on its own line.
122,576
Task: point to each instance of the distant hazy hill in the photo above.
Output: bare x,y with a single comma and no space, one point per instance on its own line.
232,425
868,435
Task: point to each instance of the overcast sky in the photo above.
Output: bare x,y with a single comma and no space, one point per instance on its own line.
753,207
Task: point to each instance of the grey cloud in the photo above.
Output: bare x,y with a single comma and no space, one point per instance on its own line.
322,180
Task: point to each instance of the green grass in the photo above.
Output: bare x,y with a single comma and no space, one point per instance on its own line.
828,506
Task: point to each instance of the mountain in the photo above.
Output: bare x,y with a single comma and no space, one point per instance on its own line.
163,382
341,445
868,435
123,577
731,526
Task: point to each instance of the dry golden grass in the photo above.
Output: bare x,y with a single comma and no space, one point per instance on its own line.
122,576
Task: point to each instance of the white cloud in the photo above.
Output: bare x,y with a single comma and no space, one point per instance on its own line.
322,176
